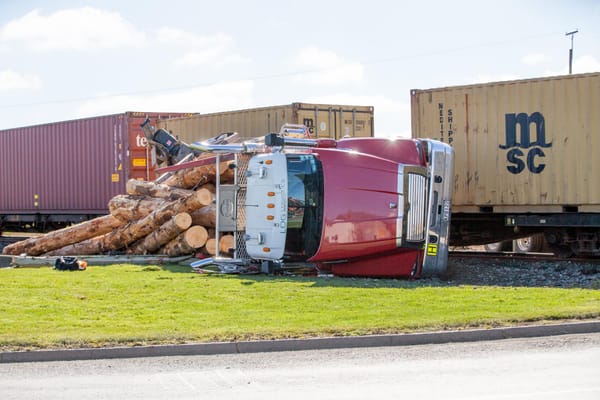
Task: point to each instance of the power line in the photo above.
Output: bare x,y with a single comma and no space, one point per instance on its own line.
276,75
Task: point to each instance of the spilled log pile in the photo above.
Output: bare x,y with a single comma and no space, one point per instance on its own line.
174,218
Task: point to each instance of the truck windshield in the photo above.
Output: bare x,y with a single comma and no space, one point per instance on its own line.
305,205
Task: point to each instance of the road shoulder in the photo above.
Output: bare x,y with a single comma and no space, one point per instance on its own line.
408,339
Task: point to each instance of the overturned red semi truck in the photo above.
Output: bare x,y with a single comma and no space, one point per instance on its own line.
350,207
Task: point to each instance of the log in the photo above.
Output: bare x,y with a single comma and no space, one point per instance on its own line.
205,216
205,197
226,244
228,175
209,186
187,242
128,208
123,237
64,237
197,176
158,238
210,247
153,189
91,246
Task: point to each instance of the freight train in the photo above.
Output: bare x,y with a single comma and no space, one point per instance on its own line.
527,159
526,165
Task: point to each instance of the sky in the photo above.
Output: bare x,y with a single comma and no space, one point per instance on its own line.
67,59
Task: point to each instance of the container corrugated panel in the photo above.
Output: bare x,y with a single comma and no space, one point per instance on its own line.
69,167
323,120
63,166
520,146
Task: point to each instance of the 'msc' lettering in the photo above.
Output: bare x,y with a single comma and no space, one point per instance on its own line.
515,143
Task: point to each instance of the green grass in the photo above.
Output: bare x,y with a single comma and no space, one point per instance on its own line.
135,305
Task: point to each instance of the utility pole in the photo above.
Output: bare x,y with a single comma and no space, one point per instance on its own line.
572,33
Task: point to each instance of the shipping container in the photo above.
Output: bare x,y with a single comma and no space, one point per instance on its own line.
322,120
56,173
526,151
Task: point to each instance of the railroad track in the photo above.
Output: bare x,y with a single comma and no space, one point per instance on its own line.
521,270
503,255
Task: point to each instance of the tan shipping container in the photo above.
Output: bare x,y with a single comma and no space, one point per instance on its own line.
323,121
524,146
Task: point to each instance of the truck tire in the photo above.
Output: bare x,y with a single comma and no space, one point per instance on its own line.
530,244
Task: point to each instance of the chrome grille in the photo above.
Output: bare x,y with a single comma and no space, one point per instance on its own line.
416,213
242,161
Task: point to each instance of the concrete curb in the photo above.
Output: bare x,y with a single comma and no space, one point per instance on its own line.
262,346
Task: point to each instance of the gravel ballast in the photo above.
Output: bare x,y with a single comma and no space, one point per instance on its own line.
522,273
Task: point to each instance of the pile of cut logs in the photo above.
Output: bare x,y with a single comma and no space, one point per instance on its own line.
173,218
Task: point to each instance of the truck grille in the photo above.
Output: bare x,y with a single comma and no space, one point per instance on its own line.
416,212
242,161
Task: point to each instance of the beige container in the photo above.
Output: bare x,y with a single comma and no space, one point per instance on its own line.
323,121
520,146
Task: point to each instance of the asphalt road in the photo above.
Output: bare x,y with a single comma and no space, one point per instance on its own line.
558,367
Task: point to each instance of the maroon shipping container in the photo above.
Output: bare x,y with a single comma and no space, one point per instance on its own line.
57,173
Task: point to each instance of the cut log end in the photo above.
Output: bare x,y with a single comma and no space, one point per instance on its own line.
211,246
196,236
226,243
205,196
183,221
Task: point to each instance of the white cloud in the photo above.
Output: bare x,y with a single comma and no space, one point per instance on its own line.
535,59
213,98
325,68
581,65
212,57
586,64
72,29
214,51
177,37
13,80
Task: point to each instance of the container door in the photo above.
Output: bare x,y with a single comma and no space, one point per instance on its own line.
140,160
336,122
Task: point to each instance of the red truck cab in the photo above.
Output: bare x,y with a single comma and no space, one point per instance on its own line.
354,207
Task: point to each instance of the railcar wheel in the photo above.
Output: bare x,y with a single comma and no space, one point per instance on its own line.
530,244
